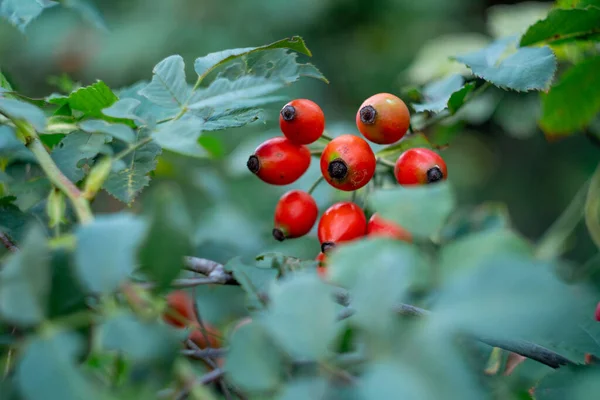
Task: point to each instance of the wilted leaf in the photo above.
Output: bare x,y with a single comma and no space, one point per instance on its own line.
141,341
76,147
562,25
251,346
302,316
125,184
48,370
421,210
168,240
21,110
106,250
21,12
118,131
437,94
574,101
524,70
25,282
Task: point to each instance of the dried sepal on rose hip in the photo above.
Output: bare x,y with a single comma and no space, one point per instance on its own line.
380,227
383,118
295,215
348,163
342,222
278,161
302,121
420,166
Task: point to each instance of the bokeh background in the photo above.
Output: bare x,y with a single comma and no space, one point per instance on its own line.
363,47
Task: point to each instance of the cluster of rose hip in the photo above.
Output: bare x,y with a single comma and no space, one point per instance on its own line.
347,163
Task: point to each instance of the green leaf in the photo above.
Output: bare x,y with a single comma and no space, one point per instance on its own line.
480,247
146,110
66,294
181,136
592,208
141,341
76,149
457,99
346,265
48,370
89,100
561,25
204,65
302,316
486,217
231,119
247,91
25,282
88,11
507,296
251,346
570,382
125,184
23,111
168,87
13,221
5,85
573,101
393,273
254,279
304,388
409,141
118,131
390,379
168,239
524,70
437,94
106,250
124,109
422,210
279,64
20,13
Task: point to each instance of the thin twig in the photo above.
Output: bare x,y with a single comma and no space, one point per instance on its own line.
8,243
211,376
202,354
212,269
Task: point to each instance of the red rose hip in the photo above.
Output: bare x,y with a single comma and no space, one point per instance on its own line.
420,166
278,161
180,309
342,222
302,121
383,118
379,227
295,214
348,163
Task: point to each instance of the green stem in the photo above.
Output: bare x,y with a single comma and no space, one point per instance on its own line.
316,152
314,185
383,161
54,174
